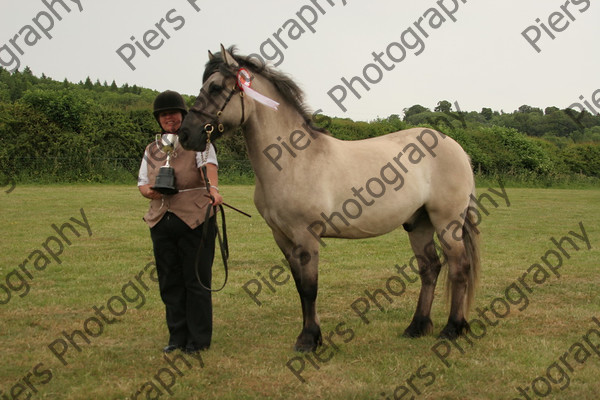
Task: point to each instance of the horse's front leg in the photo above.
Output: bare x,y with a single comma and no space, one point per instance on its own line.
304,264
305,270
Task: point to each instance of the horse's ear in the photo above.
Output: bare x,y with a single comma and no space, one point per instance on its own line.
228,58
211,56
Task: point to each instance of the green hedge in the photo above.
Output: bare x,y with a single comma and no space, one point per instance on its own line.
61,132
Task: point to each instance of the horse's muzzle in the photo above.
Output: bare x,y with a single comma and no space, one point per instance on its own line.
187,140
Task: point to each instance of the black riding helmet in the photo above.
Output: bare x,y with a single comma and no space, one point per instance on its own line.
169,100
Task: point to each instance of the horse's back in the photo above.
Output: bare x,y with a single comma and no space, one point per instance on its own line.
422,150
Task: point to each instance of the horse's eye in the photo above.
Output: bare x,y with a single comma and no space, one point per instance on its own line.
215,89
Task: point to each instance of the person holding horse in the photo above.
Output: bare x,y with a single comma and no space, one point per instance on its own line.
176,223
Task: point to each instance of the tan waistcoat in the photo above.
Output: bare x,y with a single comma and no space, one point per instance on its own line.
189,206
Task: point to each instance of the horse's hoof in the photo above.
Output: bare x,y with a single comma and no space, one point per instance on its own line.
454,329
307,344
305,347
308,341
419,326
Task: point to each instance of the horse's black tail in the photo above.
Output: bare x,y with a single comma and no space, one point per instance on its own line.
471,242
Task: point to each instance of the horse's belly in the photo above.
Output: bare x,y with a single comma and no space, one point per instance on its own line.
355,220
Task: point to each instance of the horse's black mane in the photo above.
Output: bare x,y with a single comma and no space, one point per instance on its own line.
282,82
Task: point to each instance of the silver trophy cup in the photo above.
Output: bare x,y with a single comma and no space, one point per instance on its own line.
165,180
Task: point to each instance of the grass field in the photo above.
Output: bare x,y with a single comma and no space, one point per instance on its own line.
86,321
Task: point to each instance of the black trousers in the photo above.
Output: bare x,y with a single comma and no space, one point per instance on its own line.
188,305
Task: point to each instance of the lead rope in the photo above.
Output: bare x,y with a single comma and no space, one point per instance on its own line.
223,243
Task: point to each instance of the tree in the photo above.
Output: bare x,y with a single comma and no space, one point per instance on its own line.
487,113
528,109
583,119
443,106
4,93
16,85
558,124
27,71
416,109
88,83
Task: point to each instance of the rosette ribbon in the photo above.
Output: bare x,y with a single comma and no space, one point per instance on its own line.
244,81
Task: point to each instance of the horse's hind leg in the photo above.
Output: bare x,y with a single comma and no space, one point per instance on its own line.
458,282
420,233
304,261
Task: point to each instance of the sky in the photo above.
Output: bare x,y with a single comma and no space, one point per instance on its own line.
475,53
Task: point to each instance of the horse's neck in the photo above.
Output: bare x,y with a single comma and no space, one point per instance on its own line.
267,135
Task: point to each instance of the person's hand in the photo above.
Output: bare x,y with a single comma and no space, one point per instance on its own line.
153,194
217,199
149,193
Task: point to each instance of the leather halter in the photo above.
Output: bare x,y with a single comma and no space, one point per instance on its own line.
209,127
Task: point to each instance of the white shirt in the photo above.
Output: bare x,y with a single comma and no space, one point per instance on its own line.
143,174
